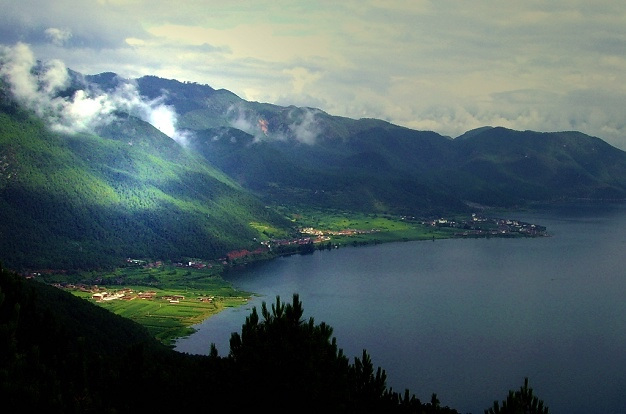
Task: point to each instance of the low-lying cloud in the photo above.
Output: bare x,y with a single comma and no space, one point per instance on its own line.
57,36
298,124
37,86
306,128
247,121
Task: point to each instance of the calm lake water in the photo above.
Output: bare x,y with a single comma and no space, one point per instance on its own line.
468,319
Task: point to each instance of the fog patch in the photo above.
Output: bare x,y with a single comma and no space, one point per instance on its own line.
299,124
306,129
249,122
58,37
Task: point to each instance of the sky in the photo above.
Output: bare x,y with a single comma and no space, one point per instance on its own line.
444,66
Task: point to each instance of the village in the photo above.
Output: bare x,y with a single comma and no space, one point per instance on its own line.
104,294
473,226
478,226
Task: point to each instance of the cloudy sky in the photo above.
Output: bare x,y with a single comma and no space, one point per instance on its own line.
440,65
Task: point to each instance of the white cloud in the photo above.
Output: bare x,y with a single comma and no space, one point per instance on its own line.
37,87
445,65
58,36
305,129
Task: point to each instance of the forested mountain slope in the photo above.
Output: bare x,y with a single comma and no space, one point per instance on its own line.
87,200
119,187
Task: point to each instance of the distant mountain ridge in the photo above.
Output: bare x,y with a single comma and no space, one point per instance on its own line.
304,155
68,199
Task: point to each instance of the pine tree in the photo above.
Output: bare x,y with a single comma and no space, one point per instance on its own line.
519,402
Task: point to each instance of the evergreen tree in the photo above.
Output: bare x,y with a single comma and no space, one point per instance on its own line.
519,402
284,360
287,362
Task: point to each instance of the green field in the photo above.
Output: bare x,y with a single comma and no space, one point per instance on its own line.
379,228
168,321
165,318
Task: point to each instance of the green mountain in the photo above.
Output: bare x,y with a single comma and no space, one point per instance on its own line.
522,166
125,189
85,200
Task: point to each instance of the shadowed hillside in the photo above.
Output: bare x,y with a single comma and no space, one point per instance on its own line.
304,155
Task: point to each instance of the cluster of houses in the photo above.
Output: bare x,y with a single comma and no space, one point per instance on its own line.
123,294
173,298
106,296
193,264
100,294
127,294
290,242
481,226
323,235
313,236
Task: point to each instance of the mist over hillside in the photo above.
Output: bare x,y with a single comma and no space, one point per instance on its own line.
86,180
153,167
304,155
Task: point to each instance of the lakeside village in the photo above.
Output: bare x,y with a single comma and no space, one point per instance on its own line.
475,227
478,226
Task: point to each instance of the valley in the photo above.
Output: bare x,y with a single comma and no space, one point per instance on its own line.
443,186
86,200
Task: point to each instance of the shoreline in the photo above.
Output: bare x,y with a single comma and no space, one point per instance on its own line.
196,279
253,260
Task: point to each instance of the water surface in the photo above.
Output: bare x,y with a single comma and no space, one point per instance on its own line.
468,319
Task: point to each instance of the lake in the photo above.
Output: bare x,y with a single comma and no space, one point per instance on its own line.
468,319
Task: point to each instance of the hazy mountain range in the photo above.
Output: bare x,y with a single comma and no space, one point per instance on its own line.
95,167
290,154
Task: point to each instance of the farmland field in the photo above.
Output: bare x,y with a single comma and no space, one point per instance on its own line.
171,300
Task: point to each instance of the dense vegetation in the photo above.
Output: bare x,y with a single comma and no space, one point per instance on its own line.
88,201
304,156
389,169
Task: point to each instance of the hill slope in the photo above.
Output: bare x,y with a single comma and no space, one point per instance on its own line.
528,165
61,354
304,155
85,200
